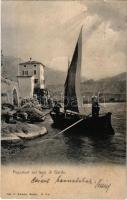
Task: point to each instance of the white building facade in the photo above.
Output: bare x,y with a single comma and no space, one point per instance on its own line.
26,86
30,78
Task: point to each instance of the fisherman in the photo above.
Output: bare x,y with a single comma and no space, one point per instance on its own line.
95,106
50,102
44,99
56,107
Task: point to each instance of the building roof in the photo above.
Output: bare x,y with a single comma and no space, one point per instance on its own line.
31,62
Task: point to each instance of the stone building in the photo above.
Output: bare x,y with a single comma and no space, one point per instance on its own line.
31,78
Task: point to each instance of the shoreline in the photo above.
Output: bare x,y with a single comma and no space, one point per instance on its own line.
20,131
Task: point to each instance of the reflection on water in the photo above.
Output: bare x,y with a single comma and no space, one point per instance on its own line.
67,148
88,149
74,147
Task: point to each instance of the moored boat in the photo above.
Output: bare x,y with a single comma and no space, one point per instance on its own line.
73,117
84,124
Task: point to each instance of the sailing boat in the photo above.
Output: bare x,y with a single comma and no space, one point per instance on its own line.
73,115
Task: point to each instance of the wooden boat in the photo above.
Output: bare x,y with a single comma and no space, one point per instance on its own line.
85,124
73,115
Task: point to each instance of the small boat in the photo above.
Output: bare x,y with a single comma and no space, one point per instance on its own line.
87,125
73,115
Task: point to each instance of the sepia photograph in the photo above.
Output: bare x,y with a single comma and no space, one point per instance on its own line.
63,99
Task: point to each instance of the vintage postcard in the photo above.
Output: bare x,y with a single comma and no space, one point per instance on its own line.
63,99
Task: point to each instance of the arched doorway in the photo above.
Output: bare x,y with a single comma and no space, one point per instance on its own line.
15,97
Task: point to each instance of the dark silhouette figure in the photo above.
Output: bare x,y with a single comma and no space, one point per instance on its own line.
56,107
95,107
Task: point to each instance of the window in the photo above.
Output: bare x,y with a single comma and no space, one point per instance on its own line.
34,65
35,80
34,71
4,94
26,72
24,65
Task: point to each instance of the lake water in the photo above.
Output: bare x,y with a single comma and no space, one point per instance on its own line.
64,149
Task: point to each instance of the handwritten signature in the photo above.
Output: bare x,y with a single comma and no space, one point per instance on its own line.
96,183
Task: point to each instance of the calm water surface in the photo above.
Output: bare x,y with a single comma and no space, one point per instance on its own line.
65,149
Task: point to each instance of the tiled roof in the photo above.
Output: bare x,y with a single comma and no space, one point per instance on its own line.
31,62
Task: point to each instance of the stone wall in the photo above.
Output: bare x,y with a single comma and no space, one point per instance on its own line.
9,91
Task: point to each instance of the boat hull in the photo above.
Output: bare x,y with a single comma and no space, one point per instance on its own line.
89,125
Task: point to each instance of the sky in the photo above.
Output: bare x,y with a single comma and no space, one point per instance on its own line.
47,32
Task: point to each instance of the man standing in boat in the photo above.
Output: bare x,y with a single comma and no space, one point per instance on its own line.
56,107
95,107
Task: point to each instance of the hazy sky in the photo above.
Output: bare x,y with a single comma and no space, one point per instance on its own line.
47,31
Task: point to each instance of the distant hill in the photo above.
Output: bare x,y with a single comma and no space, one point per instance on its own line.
9,67
115,84
113,88
55,79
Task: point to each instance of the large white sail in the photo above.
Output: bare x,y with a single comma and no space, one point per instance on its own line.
72,96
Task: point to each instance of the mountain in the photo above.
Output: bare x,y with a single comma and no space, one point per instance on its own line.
9,67
113,88
115,84
55,79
